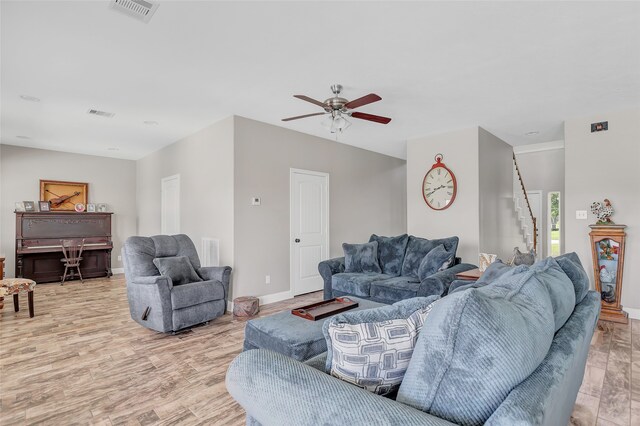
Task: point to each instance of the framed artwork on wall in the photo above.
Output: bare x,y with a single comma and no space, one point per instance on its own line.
63,195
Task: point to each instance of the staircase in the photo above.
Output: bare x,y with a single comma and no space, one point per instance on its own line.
523,209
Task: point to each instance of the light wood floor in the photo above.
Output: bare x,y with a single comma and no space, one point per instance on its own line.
82,360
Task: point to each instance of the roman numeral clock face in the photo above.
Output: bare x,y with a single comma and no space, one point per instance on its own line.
439,186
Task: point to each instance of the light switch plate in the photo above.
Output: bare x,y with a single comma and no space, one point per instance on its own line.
581,214
255,201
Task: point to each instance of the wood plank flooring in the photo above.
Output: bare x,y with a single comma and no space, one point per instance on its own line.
82,360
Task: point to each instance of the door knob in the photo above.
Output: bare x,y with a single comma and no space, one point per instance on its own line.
297,240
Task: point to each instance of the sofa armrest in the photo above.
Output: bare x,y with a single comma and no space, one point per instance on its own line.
153,296
277,390
217,273
327,269
438,283
460,285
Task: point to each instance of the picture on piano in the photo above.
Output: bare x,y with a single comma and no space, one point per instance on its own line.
63,195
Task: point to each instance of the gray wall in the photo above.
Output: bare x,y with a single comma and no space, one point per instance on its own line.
499,230
367,195
544,171
605,165
204,162
460,150
111,181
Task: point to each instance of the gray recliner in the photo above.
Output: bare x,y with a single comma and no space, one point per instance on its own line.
154,301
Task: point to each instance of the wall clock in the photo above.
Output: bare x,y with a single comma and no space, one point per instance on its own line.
63,195
439,186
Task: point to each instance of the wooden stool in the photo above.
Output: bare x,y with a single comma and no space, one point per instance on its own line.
247,306
14,286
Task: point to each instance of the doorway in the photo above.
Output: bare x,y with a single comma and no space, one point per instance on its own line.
309,228
554,224
170,205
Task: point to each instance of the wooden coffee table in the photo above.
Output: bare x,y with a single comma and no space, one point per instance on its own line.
13,286
470,275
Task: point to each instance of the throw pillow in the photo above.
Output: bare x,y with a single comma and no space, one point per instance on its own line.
178,268
361,257
372,348
520,258
417,249
391,253
476,346
436,260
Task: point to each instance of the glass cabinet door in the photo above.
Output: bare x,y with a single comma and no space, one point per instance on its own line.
607,255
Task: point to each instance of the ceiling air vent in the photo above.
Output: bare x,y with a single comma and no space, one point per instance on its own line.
101,113
139,9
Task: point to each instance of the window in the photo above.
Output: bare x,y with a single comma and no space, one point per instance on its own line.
554,224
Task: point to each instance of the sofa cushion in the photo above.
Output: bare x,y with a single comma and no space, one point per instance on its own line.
361,257
571,265
391,252
395,289
417,249
191,294
436,260
354,283
176,245
178,268
372,348
492,273
560,288
477,345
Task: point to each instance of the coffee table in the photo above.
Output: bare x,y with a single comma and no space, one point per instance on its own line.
291,335
14,286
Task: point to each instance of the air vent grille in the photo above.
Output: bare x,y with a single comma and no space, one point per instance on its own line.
101,113
139,9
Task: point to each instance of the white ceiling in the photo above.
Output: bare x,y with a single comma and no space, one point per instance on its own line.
511,68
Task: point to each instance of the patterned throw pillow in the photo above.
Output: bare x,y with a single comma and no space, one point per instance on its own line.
361,258
178,268
375,355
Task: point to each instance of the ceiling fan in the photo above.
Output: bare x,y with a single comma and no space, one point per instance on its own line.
338,108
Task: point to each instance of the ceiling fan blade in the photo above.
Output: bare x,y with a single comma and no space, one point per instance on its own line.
303,116
368,99
371,117
308,99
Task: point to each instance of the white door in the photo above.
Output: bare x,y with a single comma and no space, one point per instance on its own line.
535,201
309,200
170,205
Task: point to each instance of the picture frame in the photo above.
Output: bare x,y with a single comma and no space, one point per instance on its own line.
44,206
29,206
63,195
91,208
102,207
19,206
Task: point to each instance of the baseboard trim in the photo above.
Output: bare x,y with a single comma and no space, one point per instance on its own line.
117,271
634,313
275,297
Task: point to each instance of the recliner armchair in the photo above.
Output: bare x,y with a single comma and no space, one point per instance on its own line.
154,301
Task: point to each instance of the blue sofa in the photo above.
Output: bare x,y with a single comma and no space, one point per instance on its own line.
510,353
399,258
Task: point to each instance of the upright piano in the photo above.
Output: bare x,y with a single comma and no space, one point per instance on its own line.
39,238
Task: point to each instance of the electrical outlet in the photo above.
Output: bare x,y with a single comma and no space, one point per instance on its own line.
267,279
119,258
581,214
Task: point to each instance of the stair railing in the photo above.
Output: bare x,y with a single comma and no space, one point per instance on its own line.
526,199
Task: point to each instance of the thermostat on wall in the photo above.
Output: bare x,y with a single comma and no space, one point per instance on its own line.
255,201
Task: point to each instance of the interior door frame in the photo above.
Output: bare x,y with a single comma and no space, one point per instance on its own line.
292,172
162,212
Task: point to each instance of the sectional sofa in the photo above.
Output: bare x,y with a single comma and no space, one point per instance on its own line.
509,353
399,259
